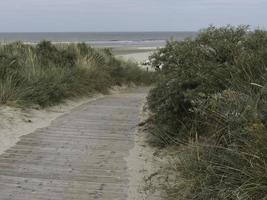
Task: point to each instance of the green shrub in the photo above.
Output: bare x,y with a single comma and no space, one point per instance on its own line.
218,59
211,97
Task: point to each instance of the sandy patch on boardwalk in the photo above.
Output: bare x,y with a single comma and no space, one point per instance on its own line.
16,122
144,167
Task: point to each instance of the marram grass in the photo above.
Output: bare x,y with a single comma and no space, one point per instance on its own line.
47,74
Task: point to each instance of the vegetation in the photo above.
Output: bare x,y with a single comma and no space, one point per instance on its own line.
47,74
210,100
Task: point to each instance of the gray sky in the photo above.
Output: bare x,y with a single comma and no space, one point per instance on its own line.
128,15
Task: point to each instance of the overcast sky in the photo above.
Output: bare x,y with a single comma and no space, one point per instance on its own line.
128,15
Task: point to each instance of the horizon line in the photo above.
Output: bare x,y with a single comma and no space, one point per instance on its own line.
96,31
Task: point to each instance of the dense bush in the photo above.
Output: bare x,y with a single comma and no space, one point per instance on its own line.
46,74
217,60
211,98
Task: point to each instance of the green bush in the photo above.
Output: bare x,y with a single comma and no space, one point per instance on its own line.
211,97
217,60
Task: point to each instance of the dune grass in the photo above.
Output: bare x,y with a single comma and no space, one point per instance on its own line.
46,74
211,102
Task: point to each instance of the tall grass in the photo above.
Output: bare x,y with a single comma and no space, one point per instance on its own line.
211,100
47,74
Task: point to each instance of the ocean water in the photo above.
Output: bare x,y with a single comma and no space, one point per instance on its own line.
105,39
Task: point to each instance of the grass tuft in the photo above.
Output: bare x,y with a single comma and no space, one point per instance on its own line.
47,74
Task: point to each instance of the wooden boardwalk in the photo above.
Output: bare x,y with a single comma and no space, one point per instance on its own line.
80,156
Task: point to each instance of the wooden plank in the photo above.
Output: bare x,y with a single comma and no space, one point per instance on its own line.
80,156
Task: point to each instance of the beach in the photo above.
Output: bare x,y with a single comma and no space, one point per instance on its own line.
138,55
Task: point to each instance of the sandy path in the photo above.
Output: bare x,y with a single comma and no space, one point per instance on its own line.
143,166
81,155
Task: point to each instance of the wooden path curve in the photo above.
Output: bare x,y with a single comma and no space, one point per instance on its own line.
80,156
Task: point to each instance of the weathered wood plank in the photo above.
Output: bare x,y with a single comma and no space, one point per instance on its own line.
80,156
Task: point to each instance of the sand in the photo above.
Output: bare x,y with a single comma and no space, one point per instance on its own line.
149,166
138,55
142,165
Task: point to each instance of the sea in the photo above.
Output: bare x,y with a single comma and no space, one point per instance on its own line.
99,39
